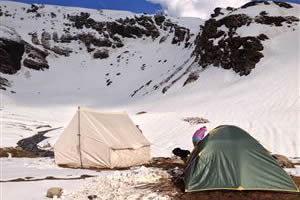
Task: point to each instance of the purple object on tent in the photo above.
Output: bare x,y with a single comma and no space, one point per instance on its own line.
199,135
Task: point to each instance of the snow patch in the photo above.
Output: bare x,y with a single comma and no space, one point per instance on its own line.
121,185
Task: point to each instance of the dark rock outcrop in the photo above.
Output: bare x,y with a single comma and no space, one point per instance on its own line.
11,53
36,58
35,39
231,52
262,37
159,19
89,39
275,20
136,27
4,83
217,12
254,3
101,54
55,36
34,8
181,33
61,51
283,4
45,40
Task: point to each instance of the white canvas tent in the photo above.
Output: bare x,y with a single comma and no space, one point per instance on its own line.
101,140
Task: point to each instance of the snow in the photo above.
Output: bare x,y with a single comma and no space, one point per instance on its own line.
121,185
106,184
38,168
264,103
9,33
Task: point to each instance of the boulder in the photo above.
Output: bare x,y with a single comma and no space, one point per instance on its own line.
54,192
101,54
180,34
35,39
159,19
55,36
45,40
61,51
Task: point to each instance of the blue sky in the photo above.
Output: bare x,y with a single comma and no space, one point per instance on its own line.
138,6
187,8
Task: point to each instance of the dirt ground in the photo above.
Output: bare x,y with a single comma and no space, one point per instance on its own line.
174,188
15,152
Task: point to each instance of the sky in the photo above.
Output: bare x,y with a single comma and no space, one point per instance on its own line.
180,8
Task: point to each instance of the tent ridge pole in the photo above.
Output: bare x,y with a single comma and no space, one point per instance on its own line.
79,139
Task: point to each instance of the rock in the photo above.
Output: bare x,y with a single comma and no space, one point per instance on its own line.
275,20
55,36
195,120
34,8
61,51
45,40
234,21
91,197
159,19
89,39
283,161
36,58
232,51
54,191
254,3
217,12
32,64
124,27
4,83
262,37
263,13
191,78
283,4
180,33
11,53
67,38
35,39
101,54
163,38
53,15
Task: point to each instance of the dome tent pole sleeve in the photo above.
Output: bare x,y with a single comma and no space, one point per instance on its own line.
79,140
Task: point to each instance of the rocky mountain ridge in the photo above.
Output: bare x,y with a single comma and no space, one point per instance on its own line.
218,42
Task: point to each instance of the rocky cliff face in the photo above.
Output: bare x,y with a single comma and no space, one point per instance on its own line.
11,53
219,43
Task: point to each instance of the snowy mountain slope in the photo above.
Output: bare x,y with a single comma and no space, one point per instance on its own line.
133,78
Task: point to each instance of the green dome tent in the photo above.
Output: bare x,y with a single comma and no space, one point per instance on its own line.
228,158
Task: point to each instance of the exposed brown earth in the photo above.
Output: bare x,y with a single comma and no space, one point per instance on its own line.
15,152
